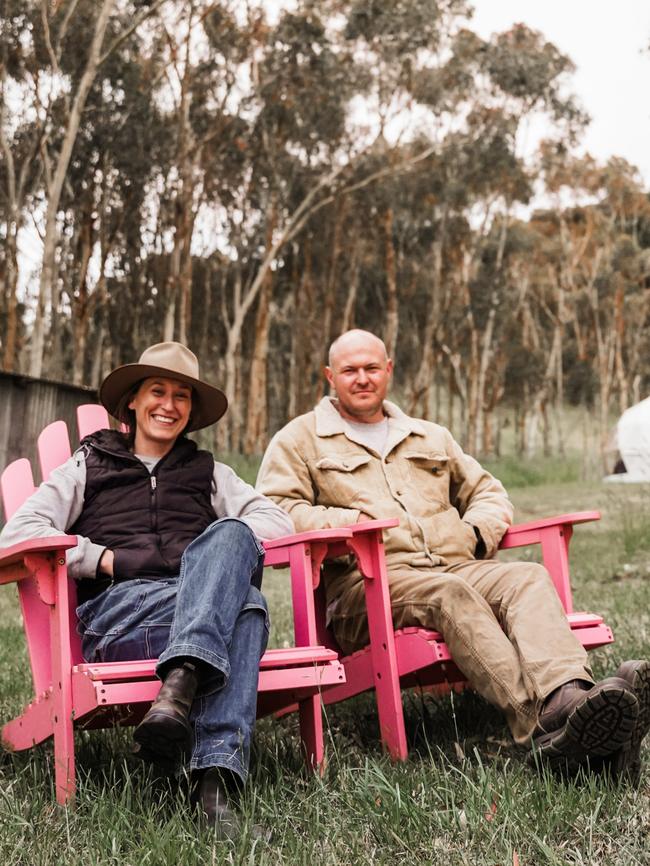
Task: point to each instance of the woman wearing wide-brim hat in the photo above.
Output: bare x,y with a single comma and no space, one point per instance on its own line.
168,566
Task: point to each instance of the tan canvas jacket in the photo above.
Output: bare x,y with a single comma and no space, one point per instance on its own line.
319,474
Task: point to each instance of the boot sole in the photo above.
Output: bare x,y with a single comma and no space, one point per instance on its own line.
625,765
603,723
639,681
162,740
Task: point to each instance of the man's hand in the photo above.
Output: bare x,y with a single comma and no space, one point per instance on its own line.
106,563
480,549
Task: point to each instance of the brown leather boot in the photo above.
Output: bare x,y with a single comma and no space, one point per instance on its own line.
164,735
625,764
213,801
578,721
214,791
557,706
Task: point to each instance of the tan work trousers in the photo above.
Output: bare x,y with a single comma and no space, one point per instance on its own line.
503,623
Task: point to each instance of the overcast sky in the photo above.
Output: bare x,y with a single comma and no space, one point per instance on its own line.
608,41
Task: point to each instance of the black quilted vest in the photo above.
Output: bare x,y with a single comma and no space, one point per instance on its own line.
147,520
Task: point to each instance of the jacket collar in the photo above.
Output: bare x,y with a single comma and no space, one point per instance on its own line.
400,425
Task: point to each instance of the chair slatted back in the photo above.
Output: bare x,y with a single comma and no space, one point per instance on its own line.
90,418
17,484
53,450
53,447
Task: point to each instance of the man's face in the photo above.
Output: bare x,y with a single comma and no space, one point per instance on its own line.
360,374
162,411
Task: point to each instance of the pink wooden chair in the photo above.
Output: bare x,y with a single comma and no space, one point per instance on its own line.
70,694
417,657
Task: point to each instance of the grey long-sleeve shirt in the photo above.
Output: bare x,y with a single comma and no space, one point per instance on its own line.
58,502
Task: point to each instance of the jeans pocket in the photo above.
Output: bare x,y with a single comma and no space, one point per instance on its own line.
256,601
140,643
115,611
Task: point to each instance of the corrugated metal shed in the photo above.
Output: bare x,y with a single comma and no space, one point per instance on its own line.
27,405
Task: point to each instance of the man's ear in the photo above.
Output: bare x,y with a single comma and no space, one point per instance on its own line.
389,366
329,375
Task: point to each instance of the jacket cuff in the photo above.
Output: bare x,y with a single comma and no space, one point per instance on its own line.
83,560
488,537
480,549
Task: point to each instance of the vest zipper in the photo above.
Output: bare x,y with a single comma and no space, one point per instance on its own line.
154,505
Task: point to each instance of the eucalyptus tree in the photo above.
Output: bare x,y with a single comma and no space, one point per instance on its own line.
490,89
592,244
306,153
54,58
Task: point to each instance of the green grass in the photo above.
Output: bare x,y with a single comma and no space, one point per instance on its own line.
516,472
466,795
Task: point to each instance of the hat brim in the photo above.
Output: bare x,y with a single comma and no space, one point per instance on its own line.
208,403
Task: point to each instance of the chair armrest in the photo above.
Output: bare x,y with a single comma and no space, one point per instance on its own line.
304,553
554,535
16,554
317,543
514,535
372,525
322,535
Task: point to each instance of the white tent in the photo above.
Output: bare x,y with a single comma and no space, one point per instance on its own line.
633,443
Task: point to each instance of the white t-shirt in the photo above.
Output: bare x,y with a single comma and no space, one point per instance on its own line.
373,436
149,462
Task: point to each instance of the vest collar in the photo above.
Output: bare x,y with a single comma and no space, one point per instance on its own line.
113,442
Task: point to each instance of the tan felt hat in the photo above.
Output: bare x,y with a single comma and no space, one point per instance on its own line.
172,361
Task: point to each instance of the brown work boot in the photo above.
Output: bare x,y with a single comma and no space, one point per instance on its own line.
579,721
557,706
625,764
214,803
164,735
214,790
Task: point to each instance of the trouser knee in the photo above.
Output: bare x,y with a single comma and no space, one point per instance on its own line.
228,549
529,581
230,531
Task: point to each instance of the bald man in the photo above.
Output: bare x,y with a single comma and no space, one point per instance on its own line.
358,457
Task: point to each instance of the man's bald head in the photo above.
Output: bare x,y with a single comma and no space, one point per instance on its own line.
359,372
355,339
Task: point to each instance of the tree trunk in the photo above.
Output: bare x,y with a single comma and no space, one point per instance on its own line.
256,432
425,371
80,300
392,312
10,298
55,187
257,420
347,322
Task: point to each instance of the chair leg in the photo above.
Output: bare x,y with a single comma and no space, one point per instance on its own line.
311,732
64,762
391,719
370,555
62,706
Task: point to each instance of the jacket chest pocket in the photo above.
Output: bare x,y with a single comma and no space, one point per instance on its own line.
341,478
429,474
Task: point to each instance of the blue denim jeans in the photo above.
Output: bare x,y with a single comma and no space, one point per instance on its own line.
210,611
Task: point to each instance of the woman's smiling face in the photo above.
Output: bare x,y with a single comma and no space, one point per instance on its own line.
162,411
